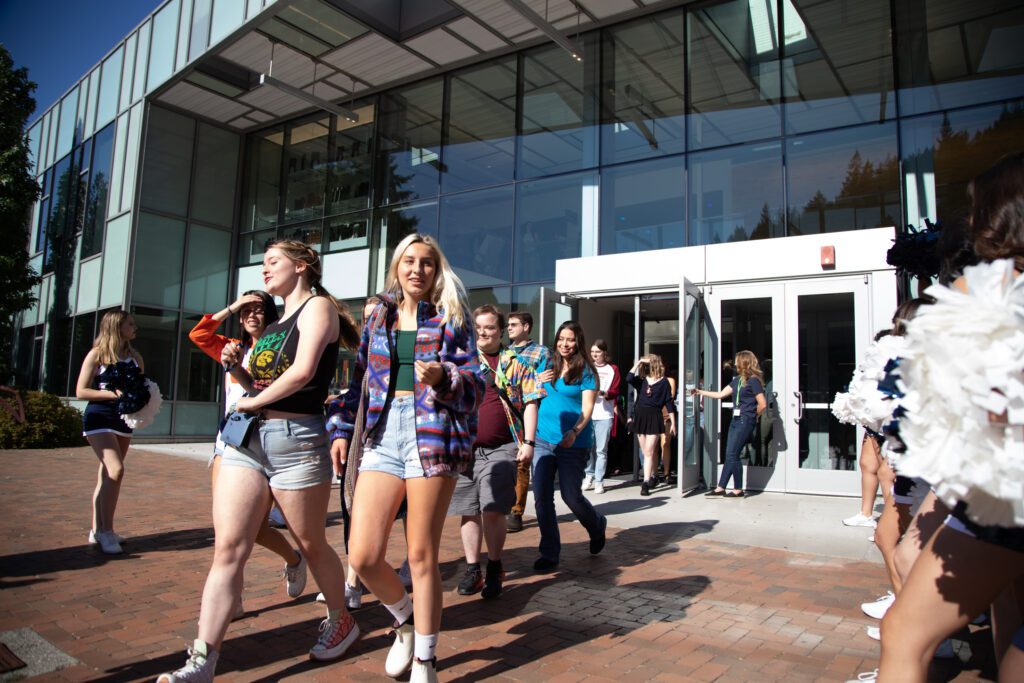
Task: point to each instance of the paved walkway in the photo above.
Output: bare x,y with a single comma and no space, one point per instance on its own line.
667,600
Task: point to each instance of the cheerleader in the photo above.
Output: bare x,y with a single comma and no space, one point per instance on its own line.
102,426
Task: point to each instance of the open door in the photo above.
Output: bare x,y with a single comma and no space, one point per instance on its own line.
555,309
691,343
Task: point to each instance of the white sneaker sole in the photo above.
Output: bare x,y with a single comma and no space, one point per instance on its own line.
338,651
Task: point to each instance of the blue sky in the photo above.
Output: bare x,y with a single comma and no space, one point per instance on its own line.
60,40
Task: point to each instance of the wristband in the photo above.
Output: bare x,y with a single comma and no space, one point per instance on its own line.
529,442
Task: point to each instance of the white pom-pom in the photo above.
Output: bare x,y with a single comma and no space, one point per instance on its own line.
863,403
965,361
143,418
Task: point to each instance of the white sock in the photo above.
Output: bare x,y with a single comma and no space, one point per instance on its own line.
425,647
401,610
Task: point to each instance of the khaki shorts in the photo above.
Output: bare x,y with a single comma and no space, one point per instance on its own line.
492,485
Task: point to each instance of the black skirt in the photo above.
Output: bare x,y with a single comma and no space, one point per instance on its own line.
100,417
648,421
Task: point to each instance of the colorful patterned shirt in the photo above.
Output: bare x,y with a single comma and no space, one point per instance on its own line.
537,355
516,380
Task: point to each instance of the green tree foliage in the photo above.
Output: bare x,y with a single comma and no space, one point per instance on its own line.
46,422
18,190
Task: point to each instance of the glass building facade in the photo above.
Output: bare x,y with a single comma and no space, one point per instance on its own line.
684,124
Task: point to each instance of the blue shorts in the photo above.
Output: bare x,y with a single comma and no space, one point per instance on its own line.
291,454
392,448
100,417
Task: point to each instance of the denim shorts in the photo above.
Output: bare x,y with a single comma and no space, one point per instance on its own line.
392,447
291,454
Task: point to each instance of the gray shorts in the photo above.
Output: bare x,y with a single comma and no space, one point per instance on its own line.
492,486
291,454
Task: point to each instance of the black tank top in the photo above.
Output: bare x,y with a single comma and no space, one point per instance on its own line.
275,352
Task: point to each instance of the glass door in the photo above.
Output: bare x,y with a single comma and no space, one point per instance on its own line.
826,331
691,343
555,309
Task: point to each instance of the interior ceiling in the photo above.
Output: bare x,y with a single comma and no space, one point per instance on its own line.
314,46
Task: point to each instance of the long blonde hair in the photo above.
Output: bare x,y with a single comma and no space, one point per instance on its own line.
300,252
109,344
447,292
747,366
657,366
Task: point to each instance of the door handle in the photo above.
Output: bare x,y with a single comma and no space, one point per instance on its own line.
799,406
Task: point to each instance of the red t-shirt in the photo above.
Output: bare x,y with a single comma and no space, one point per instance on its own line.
492,428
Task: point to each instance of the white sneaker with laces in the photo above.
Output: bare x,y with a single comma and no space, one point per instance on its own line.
295,577
866,676
598,487
873,632
198,669
108,543
93,541
405,574
588,483
353,597
423,672
335,638
876,609
860,520
945,650
400,655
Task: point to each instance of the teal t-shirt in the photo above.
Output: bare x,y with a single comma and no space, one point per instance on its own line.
561,408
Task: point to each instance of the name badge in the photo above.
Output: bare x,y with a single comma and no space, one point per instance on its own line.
736,412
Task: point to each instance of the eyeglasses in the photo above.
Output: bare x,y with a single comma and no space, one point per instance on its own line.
246,312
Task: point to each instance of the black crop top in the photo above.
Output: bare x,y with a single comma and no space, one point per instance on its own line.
275,352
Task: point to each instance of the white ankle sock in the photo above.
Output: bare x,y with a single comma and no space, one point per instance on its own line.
425,647
401,610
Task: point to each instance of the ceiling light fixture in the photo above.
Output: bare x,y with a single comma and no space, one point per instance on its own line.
547,29
317,102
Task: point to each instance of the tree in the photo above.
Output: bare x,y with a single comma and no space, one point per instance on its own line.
18,190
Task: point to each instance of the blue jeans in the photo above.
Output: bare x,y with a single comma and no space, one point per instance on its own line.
739,433
597,463
568,463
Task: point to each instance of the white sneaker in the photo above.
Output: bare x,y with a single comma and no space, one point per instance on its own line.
108,543
295,577
400,655
198,669
588,483
874,633
860,520
598,487
945,650
871,538
405,574
353,597
93,541
423,672
866,676
877,608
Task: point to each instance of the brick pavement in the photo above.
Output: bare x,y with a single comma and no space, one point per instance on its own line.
660,603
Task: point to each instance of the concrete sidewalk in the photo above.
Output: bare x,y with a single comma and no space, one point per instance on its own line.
687,589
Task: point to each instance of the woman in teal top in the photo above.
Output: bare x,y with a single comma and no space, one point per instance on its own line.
564,439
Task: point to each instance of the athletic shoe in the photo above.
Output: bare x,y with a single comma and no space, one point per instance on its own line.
424,672
335,637
513,522
598,487
871,538
715,493
295,577
860,520
198,669
864,677
472,581
400,655
492,580
353,597
588,483
405,574
873,632
645,488
945,650
275,520
877,608
93,541
543,564
597,541
108,543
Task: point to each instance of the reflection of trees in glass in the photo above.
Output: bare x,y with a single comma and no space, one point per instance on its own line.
95,212
867,193
60,252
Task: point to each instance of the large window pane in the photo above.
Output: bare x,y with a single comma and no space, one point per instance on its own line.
954,53
184,25
110,82
227,16
409,143
734,73
155,341
168,161
252,245
306,170
128,72
159,253
99,186
736,194
837,66
843,180
82,336
90,113
199,376
213,191
115,261
643,206
550,219
161,50
141,60
643,90
263,180
557,115
476,235
131,156
349,170
200,36
480,142
206,270
942,153
68,118
393,224
350,231
58,342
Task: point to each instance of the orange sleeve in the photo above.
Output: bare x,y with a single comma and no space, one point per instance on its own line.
204,335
